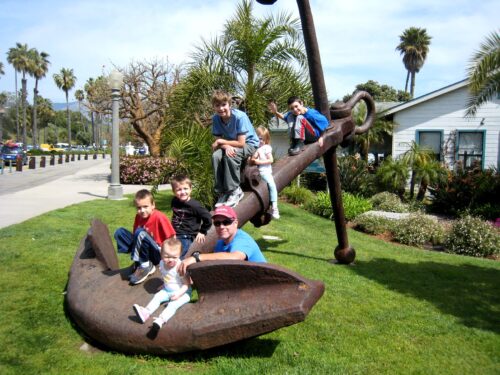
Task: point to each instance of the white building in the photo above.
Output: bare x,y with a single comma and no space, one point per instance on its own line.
436,120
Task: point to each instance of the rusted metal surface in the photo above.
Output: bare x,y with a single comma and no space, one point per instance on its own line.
236,300
253,207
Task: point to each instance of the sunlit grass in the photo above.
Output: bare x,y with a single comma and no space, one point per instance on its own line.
398,309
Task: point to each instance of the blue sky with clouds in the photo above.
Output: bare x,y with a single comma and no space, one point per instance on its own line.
357,38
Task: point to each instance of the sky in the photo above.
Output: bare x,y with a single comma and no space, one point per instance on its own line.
357,38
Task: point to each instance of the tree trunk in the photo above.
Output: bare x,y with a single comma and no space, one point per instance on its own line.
17,107
412,183
407,79
68,120
34,116
24,95
412,88
421,191
94,139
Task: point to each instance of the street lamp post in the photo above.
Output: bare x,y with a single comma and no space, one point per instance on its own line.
115,190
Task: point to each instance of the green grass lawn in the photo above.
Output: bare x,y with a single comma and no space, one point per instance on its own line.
397,310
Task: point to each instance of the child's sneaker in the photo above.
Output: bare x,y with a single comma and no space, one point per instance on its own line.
235,197
158,323
142,313
275,213
222,200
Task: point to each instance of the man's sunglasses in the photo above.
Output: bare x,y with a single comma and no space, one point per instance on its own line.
225,222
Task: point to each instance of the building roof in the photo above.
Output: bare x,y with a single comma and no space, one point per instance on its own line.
426,97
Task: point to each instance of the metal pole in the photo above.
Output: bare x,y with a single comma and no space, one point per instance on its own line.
343,252
115,190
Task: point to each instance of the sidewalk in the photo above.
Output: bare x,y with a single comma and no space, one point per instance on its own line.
29,201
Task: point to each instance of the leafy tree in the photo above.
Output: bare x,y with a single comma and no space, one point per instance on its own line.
39,67
12,56
392,175
414,46
416,157
65,80
98,102
375,134
256,59
20,58
380,93
484,73
1,69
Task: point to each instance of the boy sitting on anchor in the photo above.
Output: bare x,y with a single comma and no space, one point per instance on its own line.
151,228
306,125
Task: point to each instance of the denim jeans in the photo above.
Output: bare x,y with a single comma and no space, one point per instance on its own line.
186,241
141,246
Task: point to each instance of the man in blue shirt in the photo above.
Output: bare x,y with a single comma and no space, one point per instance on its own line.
233,243
235,140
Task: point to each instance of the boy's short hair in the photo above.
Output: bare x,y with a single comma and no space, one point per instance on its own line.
144,193
220,96
293,99
171,244
180,179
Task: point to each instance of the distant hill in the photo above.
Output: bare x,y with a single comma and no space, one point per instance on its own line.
73,106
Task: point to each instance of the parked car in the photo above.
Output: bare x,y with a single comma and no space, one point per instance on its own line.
47,147
10,151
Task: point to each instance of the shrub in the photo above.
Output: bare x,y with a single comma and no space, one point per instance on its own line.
320,205
297,194
472,236
467,189
389,202
314,181
355,176
353,205
417,230
145,170
373,224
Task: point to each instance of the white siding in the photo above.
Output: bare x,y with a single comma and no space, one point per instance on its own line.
446,113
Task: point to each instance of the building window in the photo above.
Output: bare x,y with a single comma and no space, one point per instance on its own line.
431,139
470,147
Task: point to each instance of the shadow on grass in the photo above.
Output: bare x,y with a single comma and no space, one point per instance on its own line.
270,247
470,293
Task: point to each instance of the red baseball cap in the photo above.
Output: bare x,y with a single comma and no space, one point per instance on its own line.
225,211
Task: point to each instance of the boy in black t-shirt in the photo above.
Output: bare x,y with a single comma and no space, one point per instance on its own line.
190,219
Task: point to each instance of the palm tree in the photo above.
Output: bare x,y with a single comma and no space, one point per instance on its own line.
484,73
416,157
414,46
20,58
80,96
1,69
393,175
11,57
65,81
38,69
430,173
3,101
255,59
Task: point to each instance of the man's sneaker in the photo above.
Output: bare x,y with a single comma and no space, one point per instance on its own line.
296,147
158,323
142,313
222,200
235,197
141,274
275,213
